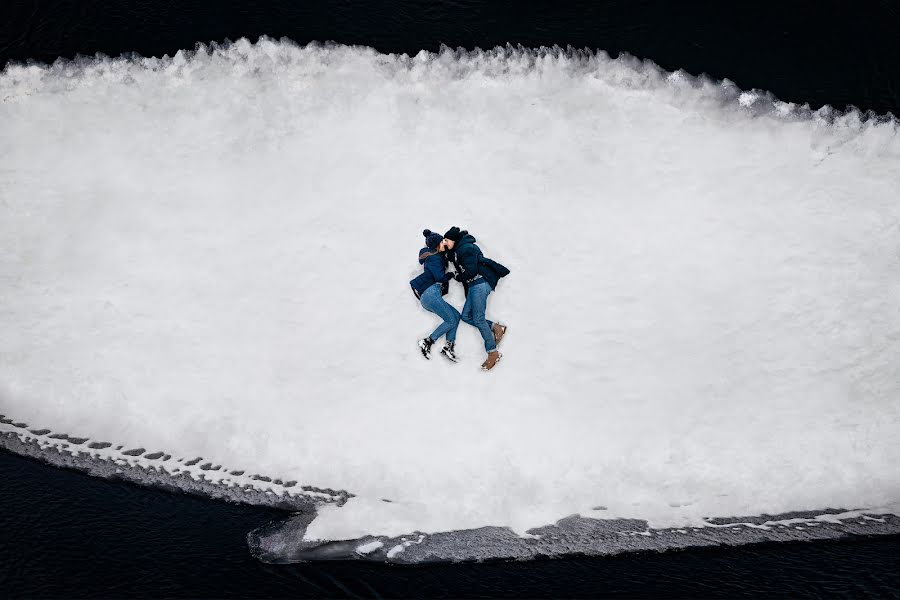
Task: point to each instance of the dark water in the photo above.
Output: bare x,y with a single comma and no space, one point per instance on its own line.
63,534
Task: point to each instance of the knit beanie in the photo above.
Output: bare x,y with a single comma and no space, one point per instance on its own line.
432,239
454,234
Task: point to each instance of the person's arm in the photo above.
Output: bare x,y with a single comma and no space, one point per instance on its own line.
468,263
435,266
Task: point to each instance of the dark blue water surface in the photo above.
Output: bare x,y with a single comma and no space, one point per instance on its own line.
64,534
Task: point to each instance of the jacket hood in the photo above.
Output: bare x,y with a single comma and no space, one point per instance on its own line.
422,252
466,239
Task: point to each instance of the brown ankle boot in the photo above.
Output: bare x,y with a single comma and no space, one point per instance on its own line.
492,359
499,331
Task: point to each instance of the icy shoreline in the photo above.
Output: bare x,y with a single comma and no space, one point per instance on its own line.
283,541
157,469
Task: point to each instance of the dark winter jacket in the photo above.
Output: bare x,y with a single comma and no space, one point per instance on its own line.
472,266
435,272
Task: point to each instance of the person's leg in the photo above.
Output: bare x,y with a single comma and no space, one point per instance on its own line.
471,321
451,314
432,301
478,295
466,315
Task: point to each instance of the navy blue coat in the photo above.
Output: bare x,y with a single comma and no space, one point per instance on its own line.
470,262
435,272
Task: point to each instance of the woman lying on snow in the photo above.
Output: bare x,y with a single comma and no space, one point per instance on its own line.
429,288
479,276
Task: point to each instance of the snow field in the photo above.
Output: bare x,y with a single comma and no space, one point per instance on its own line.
209,255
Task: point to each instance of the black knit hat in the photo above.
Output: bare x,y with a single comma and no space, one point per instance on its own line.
455,234
432,239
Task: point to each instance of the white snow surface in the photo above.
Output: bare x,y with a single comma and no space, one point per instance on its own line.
209,254
369,548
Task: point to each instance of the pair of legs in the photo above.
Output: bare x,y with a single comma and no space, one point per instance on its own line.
433,301
473,313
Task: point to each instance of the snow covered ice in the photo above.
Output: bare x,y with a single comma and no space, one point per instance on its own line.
208,255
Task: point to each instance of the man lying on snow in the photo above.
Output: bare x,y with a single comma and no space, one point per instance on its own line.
479,276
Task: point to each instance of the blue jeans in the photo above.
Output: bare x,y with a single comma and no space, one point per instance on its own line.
473,313
433,301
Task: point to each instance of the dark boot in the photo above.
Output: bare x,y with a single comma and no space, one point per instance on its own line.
425,347
449,350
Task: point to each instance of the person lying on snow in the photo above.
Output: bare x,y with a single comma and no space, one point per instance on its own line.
429,288
479,276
